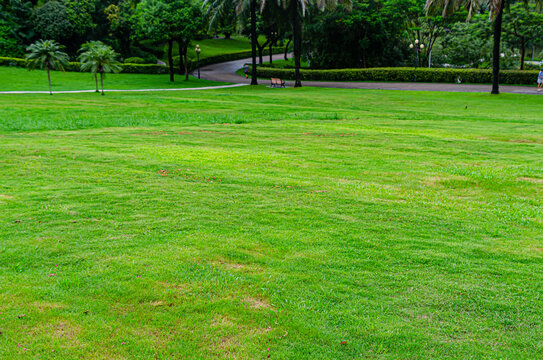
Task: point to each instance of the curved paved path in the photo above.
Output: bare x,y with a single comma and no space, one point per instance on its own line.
120,90
226,72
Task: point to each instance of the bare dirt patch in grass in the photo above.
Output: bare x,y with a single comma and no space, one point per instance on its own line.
532,180
257,303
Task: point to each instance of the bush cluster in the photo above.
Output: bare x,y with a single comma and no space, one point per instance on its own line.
134,60
438,75
75,66
529,66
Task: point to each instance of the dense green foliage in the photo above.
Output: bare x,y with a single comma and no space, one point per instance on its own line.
318,223
473,76
367,33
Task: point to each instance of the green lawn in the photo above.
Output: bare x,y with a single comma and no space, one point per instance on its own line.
318,223
14,79
285,64
214,47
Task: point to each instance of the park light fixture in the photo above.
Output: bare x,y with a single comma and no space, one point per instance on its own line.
416,48
198,58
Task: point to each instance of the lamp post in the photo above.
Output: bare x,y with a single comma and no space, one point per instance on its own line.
273,40
417,47
198,58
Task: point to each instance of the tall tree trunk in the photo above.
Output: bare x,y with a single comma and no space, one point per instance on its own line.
496,50
261,51
286,48
181,61
253,41
227,35
297,42
96,82
170,58
522,53
49,79
102,81
185,48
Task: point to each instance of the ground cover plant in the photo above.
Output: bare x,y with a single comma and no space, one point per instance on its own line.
20,79
250,223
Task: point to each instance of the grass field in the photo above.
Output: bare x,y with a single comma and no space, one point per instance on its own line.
19,79
214,47
318,224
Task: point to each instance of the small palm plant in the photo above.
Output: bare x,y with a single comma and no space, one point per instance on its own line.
87,50
48,55
100,60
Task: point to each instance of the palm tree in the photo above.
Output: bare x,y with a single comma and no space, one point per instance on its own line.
218,8
48,55
86,51
496,7
100,60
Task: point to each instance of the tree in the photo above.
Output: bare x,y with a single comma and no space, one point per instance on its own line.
169,21
101,59
216,8
522,26
298,10
188,17
87,51
221,16
120,18
370,33
48,55
52,22
15,27
496,8
467,43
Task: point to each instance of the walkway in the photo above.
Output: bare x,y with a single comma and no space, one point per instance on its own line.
226,72
120,90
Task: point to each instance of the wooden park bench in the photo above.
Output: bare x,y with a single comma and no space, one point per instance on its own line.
277,82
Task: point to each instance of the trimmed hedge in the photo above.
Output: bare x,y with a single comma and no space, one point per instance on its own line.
8,61
135,60
437,75
75,66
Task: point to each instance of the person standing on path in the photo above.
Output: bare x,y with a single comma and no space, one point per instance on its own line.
540,80
246,69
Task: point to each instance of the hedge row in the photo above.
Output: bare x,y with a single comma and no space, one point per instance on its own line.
75,66
474,76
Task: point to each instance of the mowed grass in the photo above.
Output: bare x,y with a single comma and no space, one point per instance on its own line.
19,79
318,224
214,47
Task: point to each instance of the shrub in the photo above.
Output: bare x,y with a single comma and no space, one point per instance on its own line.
75,66
134,60
474,76
532,66
8,61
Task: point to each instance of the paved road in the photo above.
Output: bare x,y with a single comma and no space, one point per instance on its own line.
226,72
120,90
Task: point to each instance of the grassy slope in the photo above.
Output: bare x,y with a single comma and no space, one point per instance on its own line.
213,47
22,79
406,224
